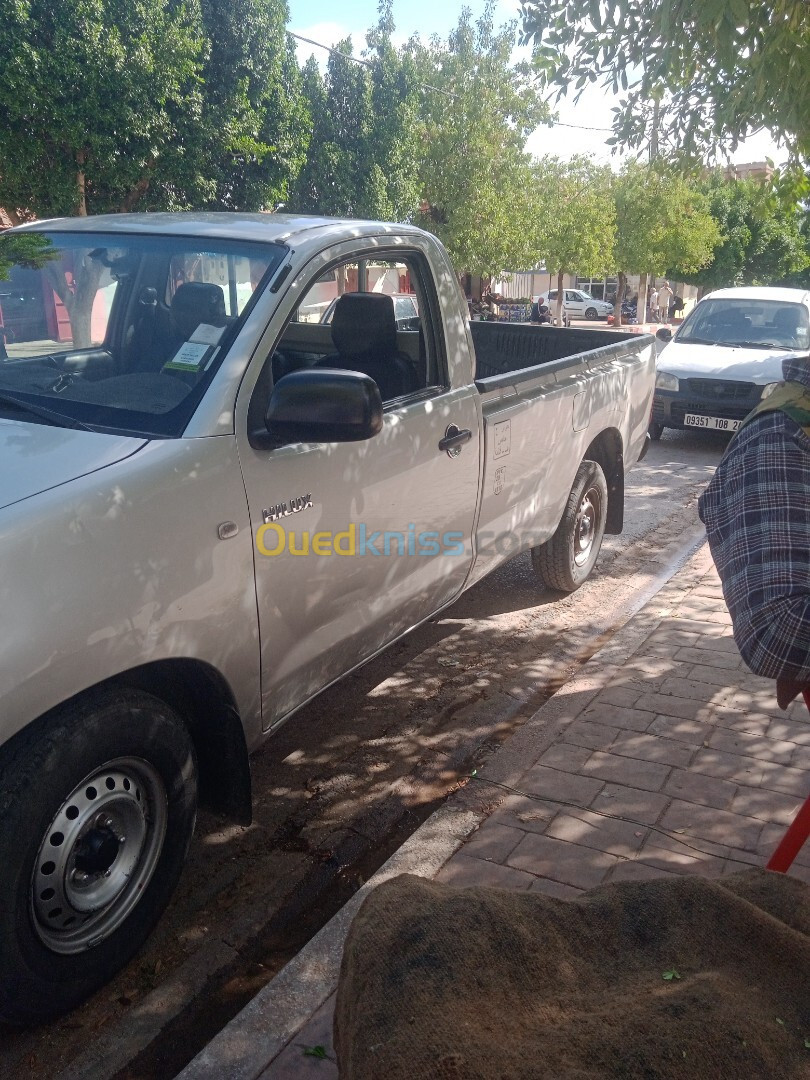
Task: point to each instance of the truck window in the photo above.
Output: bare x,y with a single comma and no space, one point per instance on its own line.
334,326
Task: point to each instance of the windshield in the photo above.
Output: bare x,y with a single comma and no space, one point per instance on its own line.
753,324
116,332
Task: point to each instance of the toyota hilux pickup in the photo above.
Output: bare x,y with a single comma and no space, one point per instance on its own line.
214,504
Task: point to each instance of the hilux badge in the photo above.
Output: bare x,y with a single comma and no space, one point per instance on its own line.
286,509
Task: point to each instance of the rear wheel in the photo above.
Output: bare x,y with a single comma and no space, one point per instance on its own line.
565,561
97,808
655,430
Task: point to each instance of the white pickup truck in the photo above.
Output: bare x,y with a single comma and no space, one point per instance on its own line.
214,504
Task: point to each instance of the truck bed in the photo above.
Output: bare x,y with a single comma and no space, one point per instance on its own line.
510,353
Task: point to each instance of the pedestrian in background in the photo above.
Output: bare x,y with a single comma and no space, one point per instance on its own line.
653,303
665,295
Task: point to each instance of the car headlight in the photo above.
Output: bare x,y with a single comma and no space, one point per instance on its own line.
665,381
769,389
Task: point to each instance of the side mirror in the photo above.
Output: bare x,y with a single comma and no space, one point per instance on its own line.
664,334
324,405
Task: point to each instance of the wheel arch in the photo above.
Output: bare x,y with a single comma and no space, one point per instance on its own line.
607,450
203,698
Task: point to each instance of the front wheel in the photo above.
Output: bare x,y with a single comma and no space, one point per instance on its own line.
97,808
591,313
565,561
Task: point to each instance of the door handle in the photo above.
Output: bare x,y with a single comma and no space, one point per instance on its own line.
454,439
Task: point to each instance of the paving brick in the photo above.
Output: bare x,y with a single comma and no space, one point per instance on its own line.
565,756
493,842
801,758
791,730
463,871
706,790
669,705
692,733
744,742
702,627
555,889
622,696
719,644
667,634
632,772
636,719
783,778
612,835
766,805
723,661
693,690
569,863
753,722
520,812
564,787
737,767
709,823
653,747
632,803
630,870
679,858
587,733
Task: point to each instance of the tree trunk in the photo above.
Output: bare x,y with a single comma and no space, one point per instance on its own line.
641,306
617,310
559,312
81,198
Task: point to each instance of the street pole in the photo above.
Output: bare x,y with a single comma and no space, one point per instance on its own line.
641,307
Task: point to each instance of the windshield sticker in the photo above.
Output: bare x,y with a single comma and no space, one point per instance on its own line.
189,357
206,334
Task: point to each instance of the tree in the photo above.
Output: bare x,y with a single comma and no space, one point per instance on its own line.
762,242
726,67
109,105
363,157
478,110
575,221
663,226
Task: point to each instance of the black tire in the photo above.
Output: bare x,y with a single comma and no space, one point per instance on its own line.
591,313
655,430
120,855
565,561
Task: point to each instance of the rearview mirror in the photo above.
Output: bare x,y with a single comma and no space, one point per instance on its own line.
664,334
324,405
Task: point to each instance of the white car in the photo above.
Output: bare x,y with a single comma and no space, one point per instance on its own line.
581,305
727,356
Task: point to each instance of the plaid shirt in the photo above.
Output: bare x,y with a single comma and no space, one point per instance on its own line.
757,516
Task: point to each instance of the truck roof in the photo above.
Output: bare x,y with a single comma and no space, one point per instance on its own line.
267,228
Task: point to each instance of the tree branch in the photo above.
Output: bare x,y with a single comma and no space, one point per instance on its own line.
140,189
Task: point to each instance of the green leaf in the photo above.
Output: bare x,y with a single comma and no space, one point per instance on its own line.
668,976
316,1052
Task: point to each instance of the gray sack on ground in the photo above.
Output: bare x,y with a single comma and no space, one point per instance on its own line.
462,984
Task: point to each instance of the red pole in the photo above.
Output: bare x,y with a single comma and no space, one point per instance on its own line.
792,842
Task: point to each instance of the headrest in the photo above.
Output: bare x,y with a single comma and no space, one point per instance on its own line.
364,323
197,302
787,318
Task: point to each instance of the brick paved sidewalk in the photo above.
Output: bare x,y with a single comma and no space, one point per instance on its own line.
682,737
672,732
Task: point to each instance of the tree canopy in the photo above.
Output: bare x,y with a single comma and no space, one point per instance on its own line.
723,67
110,105
475,176
762,241
574,228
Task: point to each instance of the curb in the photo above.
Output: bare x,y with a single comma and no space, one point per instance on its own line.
246,1046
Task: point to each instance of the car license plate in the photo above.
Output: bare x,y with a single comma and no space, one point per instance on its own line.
715,423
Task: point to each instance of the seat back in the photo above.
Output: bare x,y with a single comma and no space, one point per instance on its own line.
364,332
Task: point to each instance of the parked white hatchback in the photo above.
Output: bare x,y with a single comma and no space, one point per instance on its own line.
727,356
581,305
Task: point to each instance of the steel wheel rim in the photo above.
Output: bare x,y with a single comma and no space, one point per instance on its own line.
98,855
586,525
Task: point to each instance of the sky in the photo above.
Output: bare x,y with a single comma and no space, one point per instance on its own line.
329,23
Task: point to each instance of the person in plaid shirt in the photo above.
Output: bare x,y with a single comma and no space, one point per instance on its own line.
757,516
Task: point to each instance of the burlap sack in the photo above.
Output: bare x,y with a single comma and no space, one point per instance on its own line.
484,984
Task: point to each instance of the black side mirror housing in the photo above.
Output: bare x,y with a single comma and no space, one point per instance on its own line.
664,334
324,405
